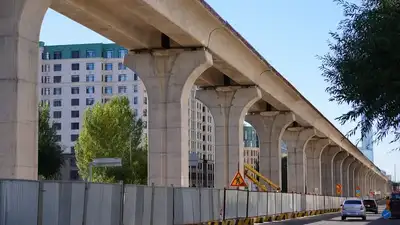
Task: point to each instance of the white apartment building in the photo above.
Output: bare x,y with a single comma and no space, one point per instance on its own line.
74,77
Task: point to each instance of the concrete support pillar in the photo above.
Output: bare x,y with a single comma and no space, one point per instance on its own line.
357,177
363,180
346,175
327,182
270,127
296,140
338,169
313,173
20,24
352,178
169,76
229,106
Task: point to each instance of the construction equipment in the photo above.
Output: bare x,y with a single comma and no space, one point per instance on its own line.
248,168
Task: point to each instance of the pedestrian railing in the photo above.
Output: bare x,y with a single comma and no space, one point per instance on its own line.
71,203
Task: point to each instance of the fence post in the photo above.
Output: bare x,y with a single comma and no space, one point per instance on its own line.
199,204
293,203
85,202
122,203
247,203
224,206
40,204
173,204
152,204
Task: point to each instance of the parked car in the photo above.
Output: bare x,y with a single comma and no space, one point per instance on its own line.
353,208
371,205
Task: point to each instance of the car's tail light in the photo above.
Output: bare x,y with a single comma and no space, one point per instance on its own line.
361,208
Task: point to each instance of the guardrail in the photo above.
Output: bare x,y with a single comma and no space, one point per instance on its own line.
71,203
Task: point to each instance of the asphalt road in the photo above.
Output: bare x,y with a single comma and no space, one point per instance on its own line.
334,219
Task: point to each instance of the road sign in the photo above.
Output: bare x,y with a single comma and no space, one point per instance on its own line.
238,181
338,189
358,191
386,214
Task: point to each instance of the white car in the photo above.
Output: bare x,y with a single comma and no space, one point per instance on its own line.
353,208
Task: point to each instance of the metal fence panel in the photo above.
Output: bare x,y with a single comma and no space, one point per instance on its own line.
163,207
287,202
242,203
253,203
137,205
271,203
187,205
278,203
103,204
207,208
18,202
231,204
262,204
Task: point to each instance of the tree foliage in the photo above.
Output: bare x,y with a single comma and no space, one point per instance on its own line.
363,66
50,158
111,131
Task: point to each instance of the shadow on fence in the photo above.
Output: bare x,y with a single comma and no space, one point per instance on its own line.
73,203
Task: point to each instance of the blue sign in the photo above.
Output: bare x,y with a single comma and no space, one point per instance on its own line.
386,214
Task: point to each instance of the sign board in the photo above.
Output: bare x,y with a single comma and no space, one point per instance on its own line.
358,191
338,189
386,214
238,181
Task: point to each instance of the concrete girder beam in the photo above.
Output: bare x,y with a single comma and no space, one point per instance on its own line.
170,75
270,127
228,106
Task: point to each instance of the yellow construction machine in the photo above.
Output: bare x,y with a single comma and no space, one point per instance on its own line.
248,169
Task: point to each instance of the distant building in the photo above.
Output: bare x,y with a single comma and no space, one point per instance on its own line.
367,147
251,145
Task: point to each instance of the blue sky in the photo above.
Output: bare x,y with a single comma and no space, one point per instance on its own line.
289,34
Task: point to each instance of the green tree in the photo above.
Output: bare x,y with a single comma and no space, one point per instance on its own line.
111,130
363,66
50,158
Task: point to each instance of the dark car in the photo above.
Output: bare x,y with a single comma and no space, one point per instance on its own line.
394,205
370,205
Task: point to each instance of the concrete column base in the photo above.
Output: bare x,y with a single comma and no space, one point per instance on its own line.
169,76
20,24
228,105
270,127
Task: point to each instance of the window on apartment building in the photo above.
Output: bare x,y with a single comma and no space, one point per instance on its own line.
122,53
57,126
57,138
135,76
89,66
89,101
135,112
107,90
57,67
45,79
75,66
45,91
90,54
74,114
90,78
75,54
135,100
135,88
107,78
75,102
90,90
57,55
108,54
107,66
45,68
74,126
105,100
57,79
74,137
75,78
144,112
121,66
122,77
75,90
56,114
145,124
145,100
122,89
45,55
45,102
57,103
72,150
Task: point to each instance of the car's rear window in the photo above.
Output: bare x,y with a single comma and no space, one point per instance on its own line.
395,196
369,202
352,202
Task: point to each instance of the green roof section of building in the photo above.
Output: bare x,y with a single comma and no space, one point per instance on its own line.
66,50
